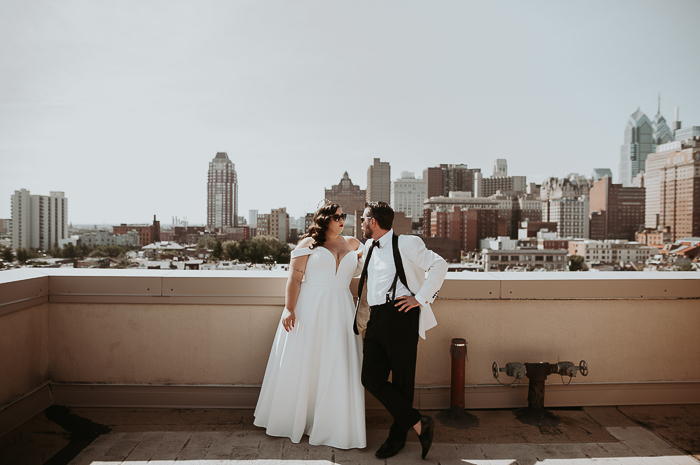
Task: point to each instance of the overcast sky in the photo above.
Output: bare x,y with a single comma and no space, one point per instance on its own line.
122,105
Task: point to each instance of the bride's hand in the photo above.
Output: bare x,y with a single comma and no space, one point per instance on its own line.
288,319
359,255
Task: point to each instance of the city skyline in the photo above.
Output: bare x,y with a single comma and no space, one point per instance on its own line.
126,123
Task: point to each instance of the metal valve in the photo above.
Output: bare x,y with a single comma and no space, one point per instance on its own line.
513,369
537,373
570,370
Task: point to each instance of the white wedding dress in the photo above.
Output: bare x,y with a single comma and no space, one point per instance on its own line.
312,382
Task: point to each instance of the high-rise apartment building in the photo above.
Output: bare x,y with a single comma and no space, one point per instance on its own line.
641,138
222,193
38,221
346,194
408,194
448,178
275,224
616,212
672,185
378,182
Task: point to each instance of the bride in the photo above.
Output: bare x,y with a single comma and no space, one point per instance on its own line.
312,381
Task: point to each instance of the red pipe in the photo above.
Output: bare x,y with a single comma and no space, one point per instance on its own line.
458,351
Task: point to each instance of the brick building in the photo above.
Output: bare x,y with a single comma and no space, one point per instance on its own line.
672,181
346,194
615,212
467,226
448,178
148,233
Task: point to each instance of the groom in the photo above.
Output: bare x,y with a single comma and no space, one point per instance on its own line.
399,296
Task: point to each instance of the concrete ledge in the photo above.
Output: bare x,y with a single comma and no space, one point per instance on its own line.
426,398
24,287
20,410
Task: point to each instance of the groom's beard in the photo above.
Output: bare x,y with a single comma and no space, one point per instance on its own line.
367,233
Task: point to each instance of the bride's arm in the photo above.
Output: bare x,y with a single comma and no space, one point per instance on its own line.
297,269
357,245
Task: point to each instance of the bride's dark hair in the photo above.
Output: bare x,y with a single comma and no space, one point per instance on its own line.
322,218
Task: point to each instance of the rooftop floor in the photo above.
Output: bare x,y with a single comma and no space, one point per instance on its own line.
629,434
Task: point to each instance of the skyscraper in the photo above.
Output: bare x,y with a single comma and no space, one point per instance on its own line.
222,193
641,138
38,221
379,182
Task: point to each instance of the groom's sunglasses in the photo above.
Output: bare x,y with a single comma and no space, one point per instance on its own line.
338,217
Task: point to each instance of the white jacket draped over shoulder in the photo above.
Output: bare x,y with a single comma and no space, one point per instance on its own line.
425,272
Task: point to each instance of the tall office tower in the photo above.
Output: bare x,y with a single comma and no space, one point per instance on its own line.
346,194
448,178
500,168
408,194
38,221
222,193
673,188
641,138
662,134
379,182
252,217
616,212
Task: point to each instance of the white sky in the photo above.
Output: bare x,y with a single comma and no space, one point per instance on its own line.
122,104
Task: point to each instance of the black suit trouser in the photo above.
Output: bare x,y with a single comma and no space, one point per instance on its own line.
391,345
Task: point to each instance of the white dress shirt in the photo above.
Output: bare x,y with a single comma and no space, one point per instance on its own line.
381,271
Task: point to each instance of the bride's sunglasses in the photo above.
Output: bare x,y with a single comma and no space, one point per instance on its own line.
338,217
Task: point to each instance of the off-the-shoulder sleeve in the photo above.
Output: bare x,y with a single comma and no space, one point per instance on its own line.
303,251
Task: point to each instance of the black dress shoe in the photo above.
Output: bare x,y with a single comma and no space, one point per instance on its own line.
389,449
426,434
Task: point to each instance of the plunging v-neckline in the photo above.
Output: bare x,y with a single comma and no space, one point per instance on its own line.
338,262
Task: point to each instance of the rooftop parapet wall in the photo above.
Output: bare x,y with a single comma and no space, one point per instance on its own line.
637,331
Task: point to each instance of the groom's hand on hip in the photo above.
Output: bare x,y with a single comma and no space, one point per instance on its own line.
406,302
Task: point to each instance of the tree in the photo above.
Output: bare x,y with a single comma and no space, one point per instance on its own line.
577,263
206,242
281,252
8,256
218,251
22,255
232,250
69,250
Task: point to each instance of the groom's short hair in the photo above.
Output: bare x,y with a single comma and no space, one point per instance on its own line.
382,213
